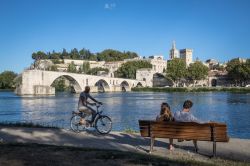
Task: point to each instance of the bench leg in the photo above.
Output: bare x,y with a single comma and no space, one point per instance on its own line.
152,145
214,149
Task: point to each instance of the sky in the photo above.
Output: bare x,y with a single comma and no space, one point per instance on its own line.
218,29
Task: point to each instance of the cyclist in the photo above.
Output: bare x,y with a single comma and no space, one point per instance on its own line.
84,105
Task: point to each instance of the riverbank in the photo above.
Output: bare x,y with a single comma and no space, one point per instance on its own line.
7,90
117,144
192,89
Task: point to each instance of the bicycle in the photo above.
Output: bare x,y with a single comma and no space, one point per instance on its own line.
102,123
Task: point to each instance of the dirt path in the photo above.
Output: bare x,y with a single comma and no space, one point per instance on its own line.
236,149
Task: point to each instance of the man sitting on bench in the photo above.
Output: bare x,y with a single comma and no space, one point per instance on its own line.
186,116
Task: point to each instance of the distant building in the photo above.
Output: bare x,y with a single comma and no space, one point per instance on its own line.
187,55
145,74
211,64
159,65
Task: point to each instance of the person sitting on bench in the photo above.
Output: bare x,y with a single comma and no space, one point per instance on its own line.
186,116
166,115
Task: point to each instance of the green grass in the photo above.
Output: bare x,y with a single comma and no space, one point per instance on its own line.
29,124
200,89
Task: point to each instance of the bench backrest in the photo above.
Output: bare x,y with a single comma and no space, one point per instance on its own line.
184,130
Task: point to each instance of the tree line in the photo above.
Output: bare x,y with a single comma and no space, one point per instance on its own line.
178,72
7,80
239,71
84,54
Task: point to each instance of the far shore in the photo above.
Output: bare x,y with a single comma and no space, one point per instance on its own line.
192,89
7,90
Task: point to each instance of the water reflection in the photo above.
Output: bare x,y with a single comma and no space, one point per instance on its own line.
126,108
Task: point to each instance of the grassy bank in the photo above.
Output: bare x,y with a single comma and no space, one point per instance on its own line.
200,89
25,124
35,154
7,90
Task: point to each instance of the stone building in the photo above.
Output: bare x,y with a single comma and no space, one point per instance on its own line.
159,65
145,74
187,55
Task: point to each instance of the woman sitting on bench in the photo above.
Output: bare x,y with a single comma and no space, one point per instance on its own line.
166,115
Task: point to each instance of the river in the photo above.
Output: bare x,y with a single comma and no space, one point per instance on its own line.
126,108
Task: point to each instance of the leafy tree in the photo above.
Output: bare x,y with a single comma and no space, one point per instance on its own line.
197,71
85,67
7,80
64,54
54,55
95,70
239,72
72,68
114,55
176,70
128,69
74,54
86,54
39,55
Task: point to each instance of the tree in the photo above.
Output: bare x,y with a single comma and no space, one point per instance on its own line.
7,80
239,72
128,69
64,54
72,68
197,71
114,55
176,70
74,54
85,67
54,55
86,54
95,70
39,55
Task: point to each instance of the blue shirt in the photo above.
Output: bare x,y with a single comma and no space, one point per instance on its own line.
181,116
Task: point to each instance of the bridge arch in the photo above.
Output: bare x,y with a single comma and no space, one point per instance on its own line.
139,84
72,83
124,86
159,80
102,85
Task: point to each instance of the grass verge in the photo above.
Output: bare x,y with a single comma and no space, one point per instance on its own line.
201,89
29,124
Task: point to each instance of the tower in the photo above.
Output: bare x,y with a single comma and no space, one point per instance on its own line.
173,53
187,55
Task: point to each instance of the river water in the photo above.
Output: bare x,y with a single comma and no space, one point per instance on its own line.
126,108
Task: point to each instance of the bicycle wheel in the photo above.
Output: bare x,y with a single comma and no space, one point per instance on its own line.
103,124
74,123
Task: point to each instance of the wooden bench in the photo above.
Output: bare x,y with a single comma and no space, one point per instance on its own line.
214,132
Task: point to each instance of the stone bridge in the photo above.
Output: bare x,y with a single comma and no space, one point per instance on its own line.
38,82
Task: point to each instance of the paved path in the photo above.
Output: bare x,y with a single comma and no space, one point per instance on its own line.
236,149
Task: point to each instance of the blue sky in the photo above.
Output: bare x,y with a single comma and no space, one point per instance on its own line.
217,29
